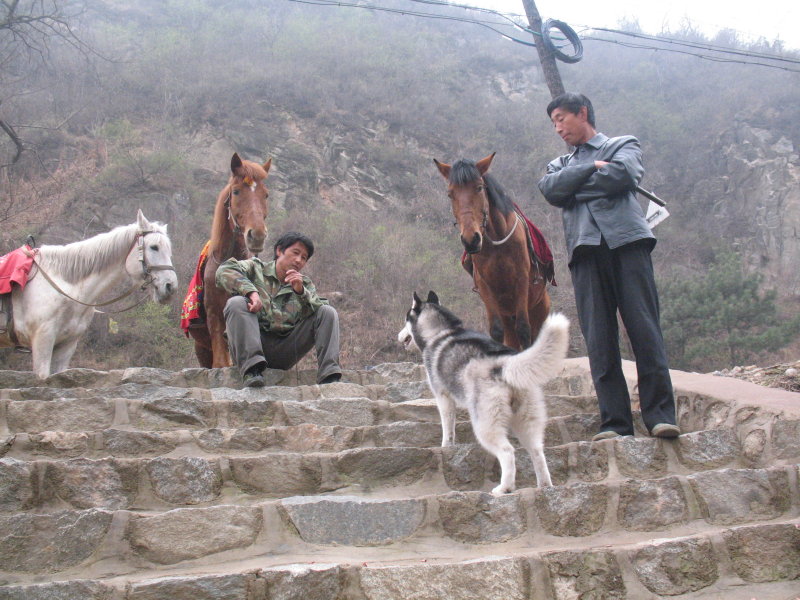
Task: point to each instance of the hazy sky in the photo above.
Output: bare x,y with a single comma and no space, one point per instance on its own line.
771,19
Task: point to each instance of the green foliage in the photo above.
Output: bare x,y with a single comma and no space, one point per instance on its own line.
724,318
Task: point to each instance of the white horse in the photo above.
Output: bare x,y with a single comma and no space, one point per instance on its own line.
58,302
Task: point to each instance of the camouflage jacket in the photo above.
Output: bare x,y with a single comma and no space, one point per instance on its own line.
283,309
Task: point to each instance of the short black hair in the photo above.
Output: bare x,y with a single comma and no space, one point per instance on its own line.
573,103
289,239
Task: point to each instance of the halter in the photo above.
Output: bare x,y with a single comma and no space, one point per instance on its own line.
146,270
486,222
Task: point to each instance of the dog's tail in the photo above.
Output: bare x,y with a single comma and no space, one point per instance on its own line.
539,363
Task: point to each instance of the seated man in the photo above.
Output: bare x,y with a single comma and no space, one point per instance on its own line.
275,316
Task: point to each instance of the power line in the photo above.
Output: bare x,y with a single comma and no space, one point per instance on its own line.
491,25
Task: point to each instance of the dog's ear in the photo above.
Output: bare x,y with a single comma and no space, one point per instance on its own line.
417,304
432,298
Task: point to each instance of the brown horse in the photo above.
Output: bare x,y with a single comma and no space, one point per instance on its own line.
239,230
494,236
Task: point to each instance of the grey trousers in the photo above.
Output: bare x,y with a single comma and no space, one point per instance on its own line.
249,346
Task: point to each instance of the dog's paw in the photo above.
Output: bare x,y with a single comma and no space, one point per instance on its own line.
502,489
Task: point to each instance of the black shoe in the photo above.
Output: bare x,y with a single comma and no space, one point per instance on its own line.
253,378
332,378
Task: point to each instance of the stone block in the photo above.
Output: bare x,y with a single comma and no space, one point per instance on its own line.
60,444
765,552
482,579
209,587
572,510
733,496
708,449
86,483
753,446
581,427
415,410
564,406
652,504
315,438
227,377
171,413
278,475
121,442
348,412
188,533
399,372
186,480
50,542
147,375
60,415
257,412
305,582
59,590
384,466
83,378
353,521
585,574
409,434
676,567
464,466
407,390
481,518
786,439
6,441
16,485
592,461
640,458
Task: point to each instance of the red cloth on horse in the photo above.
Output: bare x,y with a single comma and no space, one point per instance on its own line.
15,268
194,297
540,251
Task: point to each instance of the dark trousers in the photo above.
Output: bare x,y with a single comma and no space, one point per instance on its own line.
251,347
607,281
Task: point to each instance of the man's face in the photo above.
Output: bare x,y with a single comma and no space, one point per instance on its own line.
573,128
294,258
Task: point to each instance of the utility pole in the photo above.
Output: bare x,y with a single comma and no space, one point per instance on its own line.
546,58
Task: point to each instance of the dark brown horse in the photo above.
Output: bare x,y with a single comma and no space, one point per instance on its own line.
495,239
239,230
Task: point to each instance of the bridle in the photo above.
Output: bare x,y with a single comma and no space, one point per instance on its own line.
147,270
486,220
236,230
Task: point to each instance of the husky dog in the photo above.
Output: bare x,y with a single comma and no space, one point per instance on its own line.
500,387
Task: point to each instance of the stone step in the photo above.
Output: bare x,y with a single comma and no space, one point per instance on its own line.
197,467
55,541
396,373
743,562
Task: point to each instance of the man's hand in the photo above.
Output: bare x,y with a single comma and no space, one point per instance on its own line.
599,164
295,279
254,302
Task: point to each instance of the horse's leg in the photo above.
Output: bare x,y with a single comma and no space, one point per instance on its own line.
538,312
219,346
204,355
42,351
62,354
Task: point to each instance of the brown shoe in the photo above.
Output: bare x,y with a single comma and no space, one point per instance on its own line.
665,430
605,435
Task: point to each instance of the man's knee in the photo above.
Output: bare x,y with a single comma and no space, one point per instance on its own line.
327,314
235,304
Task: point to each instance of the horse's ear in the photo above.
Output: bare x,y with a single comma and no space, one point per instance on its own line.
483,164
432,298
141,221
444,169
236,162
267,165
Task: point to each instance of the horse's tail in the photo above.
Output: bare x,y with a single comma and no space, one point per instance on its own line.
539,364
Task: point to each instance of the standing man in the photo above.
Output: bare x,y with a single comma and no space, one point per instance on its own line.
275,316
609,245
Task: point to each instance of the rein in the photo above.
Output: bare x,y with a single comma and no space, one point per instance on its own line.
146,269
510,233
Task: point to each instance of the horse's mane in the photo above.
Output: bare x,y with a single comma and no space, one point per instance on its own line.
76,261
465,171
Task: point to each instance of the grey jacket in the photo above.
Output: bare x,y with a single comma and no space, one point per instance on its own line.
602,202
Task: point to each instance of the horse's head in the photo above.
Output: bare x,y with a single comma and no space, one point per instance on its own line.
467,192
248,208
150,260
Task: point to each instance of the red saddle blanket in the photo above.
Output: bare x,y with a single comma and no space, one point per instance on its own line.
15,268
541,255
192,304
